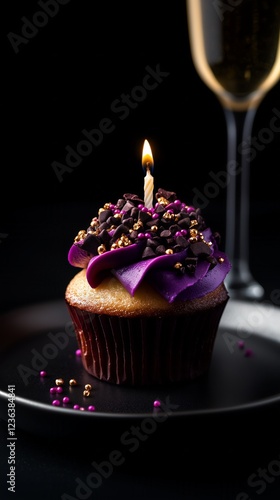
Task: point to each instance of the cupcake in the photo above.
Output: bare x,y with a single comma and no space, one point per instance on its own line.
149,294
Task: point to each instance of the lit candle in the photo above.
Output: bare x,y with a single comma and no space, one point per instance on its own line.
148,165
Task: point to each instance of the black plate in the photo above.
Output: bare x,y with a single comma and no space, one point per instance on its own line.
244,374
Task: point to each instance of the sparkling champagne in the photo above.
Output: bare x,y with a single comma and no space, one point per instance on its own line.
235,47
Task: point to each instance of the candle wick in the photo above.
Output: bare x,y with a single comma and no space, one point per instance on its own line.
148,166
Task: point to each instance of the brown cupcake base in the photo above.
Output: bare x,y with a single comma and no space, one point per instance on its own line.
146,351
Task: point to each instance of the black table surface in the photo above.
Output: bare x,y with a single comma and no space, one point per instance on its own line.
242,465
226,461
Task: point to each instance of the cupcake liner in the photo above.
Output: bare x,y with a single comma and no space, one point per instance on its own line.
146,350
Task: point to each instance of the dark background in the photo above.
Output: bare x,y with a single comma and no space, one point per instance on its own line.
66,79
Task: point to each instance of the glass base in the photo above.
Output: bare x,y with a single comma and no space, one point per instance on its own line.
239,289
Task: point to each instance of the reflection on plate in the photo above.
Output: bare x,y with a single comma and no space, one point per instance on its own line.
244,373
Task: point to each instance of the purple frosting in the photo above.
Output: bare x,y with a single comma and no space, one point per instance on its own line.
169,246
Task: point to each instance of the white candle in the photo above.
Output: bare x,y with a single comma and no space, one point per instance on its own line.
148,165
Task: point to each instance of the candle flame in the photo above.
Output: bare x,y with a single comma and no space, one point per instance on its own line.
147,157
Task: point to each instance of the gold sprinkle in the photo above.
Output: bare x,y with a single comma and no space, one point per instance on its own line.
163,201
193,223
107,206
221,260
72,382
178,265
154,229
88,387
114,246
94,222
59,381
100,210
192,239
80,236
169,251
168,215
125,240
101,249
137,225
193,232
86,393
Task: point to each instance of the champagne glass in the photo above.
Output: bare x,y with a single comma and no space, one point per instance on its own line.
235,48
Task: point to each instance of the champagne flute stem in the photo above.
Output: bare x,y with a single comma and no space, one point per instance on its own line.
240,282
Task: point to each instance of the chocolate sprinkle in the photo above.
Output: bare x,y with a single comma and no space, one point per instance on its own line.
169,227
